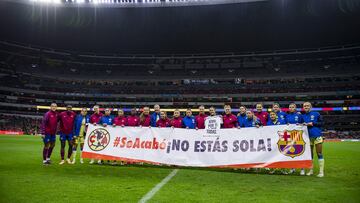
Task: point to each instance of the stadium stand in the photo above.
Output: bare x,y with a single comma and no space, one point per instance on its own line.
35,76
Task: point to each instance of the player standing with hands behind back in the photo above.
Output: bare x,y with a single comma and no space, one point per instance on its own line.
66,132
80,126
48,132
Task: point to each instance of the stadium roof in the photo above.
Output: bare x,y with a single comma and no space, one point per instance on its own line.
132,3
251,26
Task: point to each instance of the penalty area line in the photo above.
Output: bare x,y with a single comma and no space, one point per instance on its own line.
157,187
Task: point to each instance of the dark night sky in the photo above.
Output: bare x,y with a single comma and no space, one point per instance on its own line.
279,24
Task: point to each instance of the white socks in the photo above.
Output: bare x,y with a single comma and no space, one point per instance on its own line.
74,155
321,167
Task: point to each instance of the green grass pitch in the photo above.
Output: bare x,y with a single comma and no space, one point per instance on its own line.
23,178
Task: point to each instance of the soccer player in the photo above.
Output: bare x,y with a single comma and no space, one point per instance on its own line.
48,132
133,119
66,119
163,122
96,116
251,120
80,123
95,119
241,117
260,114
229,119
213,122
106,119
281,115
145,118
156,115
176,121
189,121
200,118
274,120
120,120
293,117
313,121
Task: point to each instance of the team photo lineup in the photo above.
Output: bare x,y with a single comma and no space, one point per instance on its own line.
73,126
157,101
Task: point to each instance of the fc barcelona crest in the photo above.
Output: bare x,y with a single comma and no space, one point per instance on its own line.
291,143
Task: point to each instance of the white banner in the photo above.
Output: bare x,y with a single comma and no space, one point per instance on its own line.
281,146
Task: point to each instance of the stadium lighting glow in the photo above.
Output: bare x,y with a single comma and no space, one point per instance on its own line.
47,1
146,3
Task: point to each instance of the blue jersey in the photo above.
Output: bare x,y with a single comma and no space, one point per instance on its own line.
154,118
316,119
277,122
281,116
78,122
106,119
189,122
251,123
241,120
294,118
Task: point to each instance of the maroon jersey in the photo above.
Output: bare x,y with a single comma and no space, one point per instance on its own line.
176,122
95,118
163,123
49,123
146,122
200,121
230,121
133,121
120,121
67,122
262,116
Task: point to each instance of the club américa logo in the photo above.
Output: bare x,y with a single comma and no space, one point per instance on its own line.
99,139
291,143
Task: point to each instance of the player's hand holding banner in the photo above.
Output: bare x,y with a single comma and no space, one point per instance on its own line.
280,146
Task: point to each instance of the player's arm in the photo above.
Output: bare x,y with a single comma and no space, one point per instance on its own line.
301,119
43,124
100,122
157,123
75,128
258,123
319,121
153,120
126,122
236,125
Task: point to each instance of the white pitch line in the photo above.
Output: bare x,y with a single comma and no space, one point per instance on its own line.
154,190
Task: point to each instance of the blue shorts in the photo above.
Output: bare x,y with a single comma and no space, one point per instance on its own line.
49,138
64,137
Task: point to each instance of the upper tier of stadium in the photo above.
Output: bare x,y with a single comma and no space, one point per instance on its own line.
34,76
131,3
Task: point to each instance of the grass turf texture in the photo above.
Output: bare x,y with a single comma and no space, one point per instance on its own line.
23,178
